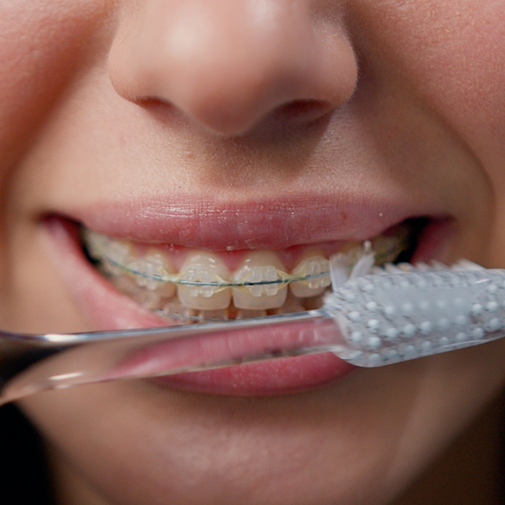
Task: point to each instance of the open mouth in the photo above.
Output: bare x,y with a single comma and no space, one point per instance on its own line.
121,282
186,285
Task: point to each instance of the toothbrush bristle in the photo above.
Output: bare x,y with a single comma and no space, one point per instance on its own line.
403,311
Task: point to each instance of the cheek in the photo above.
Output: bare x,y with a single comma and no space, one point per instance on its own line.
462,74
468,92
450,55
41,46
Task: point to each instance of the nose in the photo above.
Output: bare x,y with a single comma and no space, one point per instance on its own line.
230,64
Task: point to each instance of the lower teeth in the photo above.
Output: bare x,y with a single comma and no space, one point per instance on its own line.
191,296
175,310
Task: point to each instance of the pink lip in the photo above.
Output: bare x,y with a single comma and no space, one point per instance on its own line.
280,376
213,225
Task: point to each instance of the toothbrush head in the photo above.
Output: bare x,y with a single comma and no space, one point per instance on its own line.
404,312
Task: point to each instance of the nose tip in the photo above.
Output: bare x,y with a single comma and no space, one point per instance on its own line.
230,64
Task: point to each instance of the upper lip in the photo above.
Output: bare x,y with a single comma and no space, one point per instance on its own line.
217,225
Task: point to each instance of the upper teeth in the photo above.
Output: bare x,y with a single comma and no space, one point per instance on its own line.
205,283
315,284
259,273
149,271
202,272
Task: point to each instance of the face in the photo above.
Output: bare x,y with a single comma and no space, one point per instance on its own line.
235,134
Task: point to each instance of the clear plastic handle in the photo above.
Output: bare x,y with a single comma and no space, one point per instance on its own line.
99,357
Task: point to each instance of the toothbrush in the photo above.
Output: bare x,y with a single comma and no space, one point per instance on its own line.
374,317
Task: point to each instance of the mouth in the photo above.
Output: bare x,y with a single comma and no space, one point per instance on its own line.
184,285
121,281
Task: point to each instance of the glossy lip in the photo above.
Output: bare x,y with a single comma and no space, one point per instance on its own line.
208,224
214,225
272,377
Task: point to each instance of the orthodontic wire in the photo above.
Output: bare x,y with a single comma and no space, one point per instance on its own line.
285,278
224,284
395,249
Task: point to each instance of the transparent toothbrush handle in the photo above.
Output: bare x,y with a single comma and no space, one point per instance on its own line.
166,351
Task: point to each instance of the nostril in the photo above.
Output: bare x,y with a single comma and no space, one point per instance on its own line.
302,111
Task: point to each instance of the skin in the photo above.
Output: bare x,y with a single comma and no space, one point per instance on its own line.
119,99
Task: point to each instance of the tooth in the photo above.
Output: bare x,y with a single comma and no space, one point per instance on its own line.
149,270
388,247
291,305
165,289
147,299
258,267
96,243
215,315
125,284
113,254
205,268
173,309
248,314
314,265
116,255
316,302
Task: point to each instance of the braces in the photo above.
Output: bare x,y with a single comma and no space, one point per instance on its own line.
384,250
219,283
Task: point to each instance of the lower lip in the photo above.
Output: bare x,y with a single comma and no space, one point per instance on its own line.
281,375
106,309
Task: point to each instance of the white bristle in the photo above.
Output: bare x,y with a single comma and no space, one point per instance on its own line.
421,308
363,266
